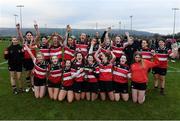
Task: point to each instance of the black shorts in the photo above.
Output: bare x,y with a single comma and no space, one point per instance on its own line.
79,87
138,86
91,87
120,87
117,59
28,64
39,82
48,60
160,71
106,86
53,85
15,67
67,88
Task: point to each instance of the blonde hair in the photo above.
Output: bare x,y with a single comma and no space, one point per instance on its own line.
54,56
39,53
142,60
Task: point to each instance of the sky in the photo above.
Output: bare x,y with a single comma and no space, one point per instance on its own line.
148,15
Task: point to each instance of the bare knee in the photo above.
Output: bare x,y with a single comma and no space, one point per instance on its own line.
140,101
70,100
111,96
126,99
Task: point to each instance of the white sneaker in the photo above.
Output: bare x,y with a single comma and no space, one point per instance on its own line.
144,98
173,61
32,89
27,89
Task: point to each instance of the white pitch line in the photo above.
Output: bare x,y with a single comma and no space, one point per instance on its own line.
3,63
3,68
173,68
173,71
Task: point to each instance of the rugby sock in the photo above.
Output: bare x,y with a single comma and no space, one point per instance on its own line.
155,87
144,98
28,78
14,87
20,89
162,91
28,81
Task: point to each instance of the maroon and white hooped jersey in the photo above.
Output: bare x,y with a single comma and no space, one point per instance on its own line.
44,49
40,69
68,53
120,73
163,55
90,71
67,77
83,48
79,77
117,51
104,50
105,72
146,54
56,52
46,53
26,54
55,73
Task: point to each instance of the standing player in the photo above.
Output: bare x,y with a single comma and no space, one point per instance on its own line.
160,72
14,55
28,63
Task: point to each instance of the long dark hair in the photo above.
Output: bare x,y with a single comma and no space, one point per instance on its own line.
87,58
29,32
83,59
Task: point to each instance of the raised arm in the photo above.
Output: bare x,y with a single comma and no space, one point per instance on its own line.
77,73
105,34
20,35
60,39
68,30
127,35
155,61
37,38
96,55
91,47
113,58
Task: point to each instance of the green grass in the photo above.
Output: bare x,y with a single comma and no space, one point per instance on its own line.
25,106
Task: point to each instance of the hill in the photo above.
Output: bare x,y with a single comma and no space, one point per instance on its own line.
49,31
